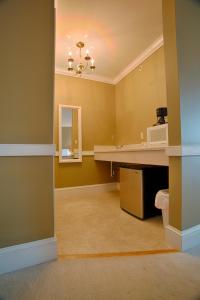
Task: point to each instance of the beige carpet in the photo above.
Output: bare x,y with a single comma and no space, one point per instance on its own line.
92,222
151,277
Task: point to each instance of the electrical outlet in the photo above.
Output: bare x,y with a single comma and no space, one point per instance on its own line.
141,135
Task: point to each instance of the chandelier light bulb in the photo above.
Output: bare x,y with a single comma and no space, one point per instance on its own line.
92,67
70,67
92,61
87,57
70,59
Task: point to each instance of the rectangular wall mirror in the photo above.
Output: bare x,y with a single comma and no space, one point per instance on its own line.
70,136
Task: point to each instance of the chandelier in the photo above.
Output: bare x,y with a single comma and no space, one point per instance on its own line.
83,63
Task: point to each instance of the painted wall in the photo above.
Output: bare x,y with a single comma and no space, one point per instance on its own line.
137,97
98,127
85,173
182,47
26,116
172,76
173,103
188,49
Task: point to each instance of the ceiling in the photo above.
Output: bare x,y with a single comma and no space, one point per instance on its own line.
115,31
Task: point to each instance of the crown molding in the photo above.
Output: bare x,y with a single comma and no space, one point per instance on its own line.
93,77
132,66
140,59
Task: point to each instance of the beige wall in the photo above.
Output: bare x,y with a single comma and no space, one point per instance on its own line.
182,47
188,49
98,126
26,116
26,206
173,103
175,195
172,74
27,48
85,173
137,97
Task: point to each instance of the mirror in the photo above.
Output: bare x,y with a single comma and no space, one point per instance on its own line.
70,138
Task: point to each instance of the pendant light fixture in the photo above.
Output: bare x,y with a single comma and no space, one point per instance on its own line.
83,63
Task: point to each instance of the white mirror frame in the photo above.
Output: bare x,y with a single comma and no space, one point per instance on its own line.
70,160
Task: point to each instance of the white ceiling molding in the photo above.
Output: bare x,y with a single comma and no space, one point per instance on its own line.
85,76
140,59
133,65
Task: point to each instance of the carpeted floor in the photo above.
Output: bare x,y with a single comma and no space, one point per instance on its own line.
150,277
92,222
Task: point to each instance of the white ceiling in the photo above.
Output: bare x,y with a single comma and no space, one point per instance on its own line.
115,31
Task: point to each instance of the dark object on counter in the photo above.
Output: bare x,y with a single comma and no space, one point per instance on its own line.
161,113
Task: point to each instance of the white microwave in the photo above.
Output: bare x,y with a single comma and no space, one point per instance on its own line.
157,134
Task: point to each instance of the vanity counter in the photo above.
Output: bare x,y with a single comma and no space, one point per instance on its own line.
135,153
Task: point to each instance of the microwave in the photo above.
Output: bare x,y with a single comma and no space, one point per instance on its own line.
157,134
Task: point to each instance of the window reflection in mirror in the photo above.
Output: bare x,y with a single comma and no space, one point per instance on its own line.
70,134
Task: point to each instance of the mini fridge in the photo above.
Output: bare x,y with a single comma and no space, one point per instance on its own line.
138,188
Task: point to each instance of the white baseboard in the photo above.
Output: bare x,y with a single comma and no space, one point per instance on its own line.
24,255
104,187
183,240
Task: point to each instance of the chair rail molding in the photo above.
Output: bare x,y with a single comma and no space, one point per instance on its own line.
27,150
183,150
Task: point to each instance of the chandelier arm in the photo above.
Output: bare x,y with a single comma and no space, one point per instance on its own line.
85,67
